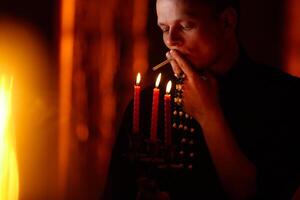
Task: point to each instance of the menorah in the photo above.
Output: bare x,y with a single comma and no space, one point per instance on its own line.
160,154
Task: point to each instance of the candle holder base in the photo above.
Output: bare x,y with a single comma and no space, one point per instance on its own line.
153,148
152,153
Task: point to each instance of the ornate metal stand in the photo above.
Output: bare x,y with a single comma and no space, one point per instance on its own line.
159,155
154,159
146,152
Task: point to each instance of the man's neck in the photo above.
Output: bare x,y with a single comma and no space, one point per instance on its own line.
227,60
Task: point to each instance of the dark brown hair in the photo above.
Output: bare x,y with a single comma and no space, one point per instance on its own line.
218,5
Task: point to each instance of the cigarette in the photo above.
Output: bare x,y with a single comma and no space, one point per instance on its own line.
161,64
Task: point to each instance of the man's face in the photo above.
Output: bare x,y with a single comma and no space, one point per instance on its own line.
195,31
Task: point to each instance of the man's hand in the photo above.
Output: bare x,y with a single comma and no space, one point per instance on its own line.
200,90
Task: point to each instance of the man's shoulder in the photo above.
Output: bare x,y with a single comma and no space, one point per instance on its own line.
274,76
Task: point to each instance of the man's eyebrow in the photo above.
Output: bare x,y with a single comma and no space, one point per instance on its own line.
161,24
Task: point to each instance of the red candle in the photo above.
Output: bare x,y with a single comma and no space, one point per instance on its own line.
154,116
136,105
167,104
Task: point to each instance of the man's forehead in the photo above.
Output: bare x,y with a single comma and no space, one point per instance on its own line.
192,3
190,8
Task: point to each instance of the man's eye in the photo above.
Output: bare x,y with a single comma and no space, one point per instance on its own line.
164,30
187,27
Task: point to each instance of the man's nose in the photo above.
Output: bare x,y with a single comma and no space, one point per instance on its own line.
173,39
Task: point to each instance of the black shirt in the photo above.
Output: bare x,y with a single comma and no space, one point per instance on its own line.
261,105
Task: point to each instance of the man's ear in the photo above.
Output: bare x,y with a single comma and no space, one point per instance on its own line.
229,19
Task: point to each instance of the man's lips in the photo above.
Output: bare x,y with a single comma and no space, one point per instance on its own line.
186,56
183,53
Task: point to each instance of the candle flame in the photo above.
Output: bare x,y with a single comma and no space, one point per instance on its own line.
169,86
158,80
9,177
138,79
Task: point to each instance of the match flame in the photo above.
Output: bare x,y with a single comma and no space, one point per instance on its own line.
9,177
158,80
169,86
138,79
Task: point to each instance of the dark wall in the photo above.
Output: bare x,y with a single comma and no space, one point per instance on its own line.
261,29
42,14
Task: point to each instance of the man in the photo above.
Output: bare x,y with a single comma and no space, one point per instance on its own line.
203,43
200,38
247,144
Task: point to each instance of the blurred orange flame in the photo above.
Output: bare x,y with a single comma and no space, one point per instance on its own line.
9,176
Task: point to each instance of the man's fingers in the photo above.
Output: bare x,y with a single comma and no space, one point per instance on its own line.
181,63
174,64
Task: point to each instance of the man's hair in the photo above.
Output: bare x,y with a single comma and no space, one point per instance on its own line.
219,5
